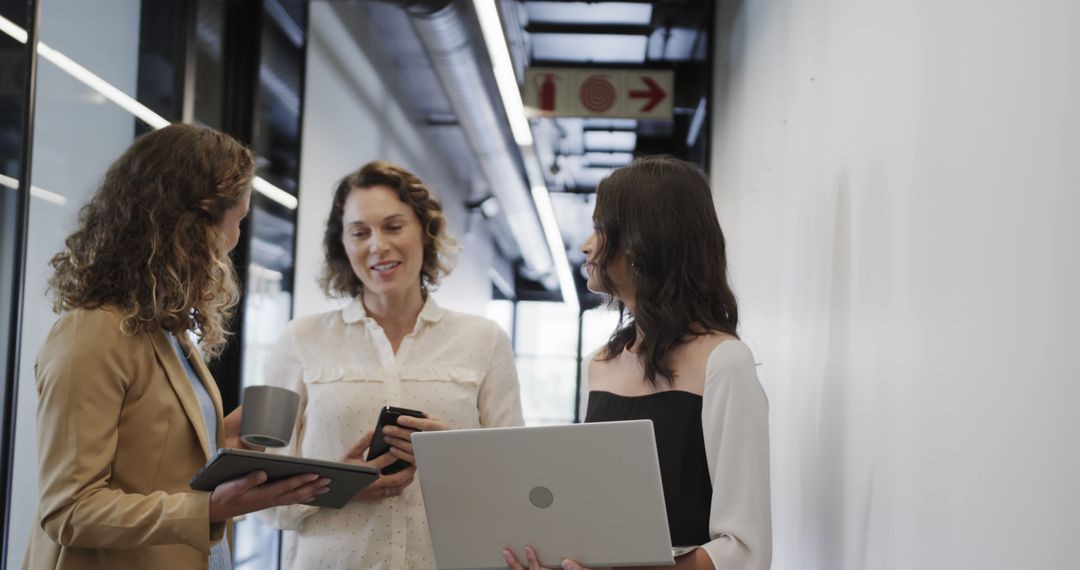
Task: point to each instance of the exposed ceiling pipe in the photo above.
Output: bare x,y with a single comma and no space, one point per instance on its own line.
444,31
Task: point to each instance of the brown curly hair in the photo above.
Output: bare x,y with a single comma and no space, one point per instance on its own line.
338,278
146,243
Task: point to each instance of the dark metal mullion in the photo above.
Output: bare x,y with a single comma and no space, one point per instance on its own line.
580,359
242,39
187,50
299,150
514,325
18,288
710,30
296,212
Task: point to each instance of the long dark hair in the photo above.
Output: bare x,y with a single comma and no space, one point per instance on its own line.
659,213
147,242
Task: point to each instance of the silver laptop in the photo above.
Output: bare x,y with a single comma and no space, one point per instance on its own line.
589,492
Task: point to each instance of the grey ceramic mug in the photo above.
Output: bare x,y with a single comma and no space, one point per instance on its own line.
269,416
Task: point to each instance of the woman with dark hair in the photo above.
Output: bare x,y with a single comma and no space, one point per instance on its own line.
386,249
657,252
127,410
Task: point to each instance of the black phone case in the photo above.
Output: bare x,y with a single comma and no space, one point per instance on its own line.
389,416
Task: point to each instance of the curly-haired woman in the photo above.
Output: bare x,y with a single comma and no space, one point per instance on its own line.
386,248
127,411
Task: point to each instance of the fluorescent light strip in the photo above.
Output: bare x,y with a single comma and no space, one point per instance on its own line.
98,84
264,273
491,27
39,193
9,28
502,284
274,193
695,123
542,198
558,248
126,102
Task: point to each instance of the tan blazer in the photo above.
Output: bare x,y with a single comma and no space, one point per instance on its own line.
120,433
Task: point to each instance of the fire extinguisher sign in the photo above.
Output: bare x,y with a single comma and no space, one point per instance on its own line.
571,92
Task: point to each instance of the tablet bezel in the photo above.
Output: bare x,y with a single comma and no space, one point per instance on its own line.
346,479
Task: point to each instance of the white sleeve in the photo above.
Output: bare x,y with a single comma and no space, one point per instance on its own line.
499,401
284,369
735,422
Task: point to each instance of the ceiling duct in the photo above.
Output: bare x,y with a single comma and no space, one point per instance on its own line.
445,32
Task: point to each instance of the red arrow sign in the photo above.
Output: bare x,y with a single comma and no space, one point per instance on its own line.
655,94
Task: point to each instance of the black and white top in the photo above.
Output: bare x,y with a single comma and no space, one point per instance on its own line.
714,456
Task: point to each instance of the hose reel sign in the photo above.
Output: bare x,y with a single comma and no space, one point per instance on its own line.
569,92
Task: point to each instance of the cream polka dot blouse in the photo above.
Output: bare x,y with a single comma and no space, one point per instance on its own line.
456,367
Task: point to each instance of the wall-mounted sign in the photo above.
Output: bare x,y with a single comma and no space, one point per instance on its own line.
572,92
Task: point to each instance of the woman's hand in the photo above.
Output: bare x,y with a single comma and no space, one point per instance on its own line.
533,561
386,485
232,431
399,437
251,493
696,559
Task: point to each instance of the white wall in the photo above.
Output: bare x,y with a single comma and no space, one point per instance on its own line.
350,118
899,185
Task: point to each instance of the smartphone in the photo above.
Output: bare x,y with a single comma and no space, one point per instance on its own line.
388,417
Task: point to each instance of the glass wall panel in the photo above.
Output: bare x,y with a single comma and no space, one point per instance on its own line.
13,69
596,328
546,348
136,47
544,329
502,312
13,86
548,389
209,65
78,132
269,294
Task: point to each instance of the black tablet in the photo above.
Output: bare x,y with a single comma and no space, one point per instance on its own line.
346,480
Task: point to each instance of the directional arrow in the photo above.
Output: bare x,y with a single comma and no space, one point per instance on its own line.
655,94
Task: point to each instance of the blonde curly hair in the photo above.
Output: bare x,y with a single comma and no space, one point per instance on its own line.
147,243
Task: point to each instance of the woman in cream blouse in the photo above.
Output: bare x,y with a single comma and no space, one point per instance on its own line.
386,247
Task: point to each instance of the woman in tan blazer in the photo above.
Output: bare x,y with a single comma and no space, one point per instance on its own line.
123,420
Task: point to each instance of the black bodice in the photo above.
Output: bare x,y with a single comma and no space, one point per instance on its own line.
680,445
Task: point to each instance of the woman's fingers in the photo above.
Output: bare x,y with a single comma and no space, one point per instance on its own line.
398,438
298,489
383,461
306,493
511,560
356,452
534,560
422,424
250,493
388,485
403,455
400,479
